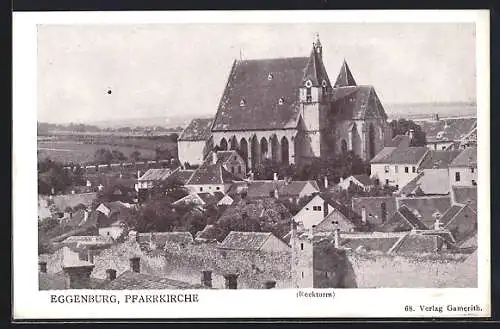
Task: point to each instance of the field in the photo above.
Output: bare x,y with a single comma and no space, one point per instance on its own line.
81,148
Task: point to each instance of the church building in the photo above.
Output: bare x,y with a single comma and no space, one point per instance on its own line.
287,110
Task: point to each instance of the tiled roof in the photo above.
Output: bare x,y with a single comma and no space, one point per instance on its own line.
449,214
377,241
402,220
135,281
426,206
399,140
467,158
245,240
222,156
155,174
315,71
264,188
447,129
439,159
345,78
197,130
430,182
260,84
417,243
465,195
363,179
356,103
181,175
411,218
209,198
400,155
211,174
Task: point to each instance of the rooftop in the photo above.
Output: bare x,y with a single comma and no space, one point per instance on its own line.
467,158
400,155
136,281
250,241
155,174
212,174
197,130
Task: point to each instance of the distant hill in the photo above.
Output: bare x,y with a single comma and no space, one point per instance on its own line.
163,121
426,110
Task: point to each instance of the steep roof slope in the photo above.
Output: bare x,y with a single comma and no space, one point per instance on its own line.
197,130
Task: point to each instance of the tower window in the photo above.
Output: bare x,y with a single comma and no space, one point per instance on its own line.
270,77
243,102
281,101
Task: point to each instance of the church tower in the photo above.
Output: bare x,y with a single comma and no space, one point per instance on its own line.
314,93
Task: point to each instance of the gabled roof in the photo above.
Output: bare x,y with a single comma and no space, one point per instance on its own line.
400,155
450,214
439,159
209,198
376,241
212,174
155,174
181,175
356,103
222,156
264,188
364,179
467,158
197,130
260,84
418,243
136,281
403,220
345,78
431,182
425,207
251,241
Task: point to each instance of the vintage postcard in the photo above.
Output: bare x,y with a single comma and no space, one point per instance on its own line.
251,164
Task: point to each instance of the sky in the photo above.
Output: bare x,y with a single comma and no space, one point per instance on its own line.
179,69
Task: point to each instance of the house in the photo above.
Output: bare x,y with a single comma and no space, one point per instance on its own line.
321,211
194,141
463,169
211,178
396,166
231,160
444,134
111,218
426,207
280,109
253,241
152,177
362,180
285,189
433,175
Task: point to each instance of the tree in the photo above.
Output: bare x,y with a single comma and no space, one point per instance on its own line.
135,156
103,156
403,126
52,177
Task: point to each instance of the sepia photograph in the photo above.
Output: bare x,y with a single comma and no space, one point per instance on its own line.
325,156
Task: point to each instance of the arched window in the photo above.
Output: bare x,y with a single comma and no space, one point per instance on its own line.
344,146
223,144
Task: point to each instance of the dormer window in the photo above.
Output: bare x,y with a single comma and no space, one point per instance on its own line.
281,101
323,84
309,84
270,77
243,102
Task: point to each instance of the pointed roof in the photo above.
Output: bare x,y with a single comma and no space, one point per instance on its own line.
315,70
345,78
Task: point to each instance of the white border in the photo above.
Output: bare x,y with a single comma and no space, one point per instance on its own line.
29,303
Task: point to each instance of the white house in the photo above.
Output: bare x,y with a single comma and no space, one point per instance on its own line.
152,177
193,143
463,169
396,166
313,212
211,178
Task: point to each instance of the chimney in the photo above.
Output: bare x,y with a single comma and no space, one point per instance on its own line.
42,266
363,214
325,209
276,195
214,157
138,174
275,177
336,234
436,117
437,222
231,281
110,274
135,264
270,284
78,276
206,278
325,180
410,134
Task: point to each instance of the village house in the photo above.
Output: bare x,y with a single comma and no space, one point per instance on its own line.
288,111
363,181
449,133
202,199
284,189
193,143
152,177
230,160
253,241
211,178
463,169
181,176
396,166
112,218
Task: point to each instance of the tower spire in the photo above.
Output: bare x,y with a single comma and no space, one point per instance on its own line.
318,48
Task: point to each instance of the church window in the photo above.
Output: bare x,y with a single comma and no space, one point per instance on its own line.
243,102
281,101
270,77
309,84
